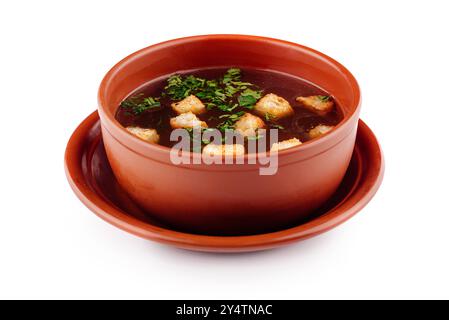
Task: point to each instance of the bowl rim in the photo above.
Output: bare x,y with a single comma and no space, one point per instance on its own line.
75,156
110,119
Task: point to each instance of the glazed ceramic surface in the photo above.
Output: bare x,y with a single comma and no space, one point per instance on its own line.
229,199
91,177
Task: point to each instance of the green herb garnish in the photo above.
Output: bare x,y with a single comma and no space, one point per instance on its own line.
269,116
139,104
230,121
324,98
179,87
225,94
232,74
248,98
277,126
214,93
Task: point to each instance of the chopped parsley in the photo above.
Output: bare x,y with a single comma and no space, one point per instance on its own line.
248,98
230,120
232,74
219,93
269,116
324,98
277,126
138,104
179,87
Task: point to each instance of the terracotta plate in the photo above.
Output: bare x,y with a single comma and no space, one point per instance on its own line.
91,178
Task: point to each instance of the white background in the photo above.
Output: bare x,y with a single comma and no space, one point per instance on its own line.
53,56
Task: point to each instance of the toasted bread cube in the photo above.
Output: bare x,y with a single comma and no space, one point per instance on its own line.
248,124
273,107
189,104
318,104
290,143
187,120
224,150
149,135
319,130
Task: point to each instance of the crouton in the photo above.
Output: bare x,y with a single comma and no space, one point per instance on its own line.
273,107
248,124
285,144
224,150
149,135
319,130
318,104
187,120
189,104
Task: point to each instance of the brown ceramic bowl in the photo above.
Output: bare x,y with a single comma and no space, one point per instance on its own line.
229,199
90,175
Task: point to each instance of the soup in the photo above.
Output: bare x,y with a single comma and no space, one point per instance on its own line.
230,99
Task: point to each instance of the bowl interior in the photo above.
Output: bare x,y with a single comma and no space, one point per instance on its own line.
228,50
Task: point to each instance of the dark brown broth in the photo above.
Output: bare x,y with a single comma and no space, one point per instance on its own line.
286,86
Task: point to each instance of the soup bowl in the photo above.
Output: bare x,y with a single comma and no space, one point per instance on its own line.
229,199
